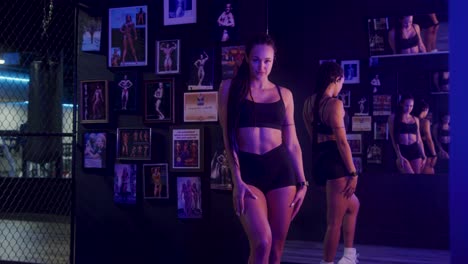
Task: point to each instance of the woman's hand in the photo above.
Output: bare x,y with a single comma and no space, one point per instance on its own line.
298,200
350,188
443,154
239,193
402,162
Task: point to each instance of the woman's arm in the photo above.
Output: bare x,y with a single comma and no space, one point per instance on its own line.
435,132
290,136
391,122
418,138
425,126
421,46
222,109
335,117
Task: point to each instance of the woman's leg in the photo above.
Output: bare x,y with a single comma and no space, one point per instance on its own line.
416,165
429,166
257,227
349,221
406,168
279,216
337,204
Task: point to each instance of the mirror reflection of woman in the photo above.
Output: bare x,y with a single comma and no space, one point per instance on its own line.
405,37
333,165
425,130
441,132
406,138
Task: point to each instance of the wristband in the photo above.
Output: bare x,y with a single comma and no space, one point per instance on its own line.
302,184
353,174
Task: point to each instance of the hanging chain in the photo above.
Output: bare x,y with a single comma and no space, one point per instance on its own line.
47,17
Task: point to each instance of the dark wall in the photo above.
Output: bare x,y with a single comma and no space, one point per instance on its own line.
396,209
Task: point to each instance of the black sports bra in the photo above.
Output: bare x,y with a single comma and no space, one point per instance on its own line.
406,128
271,115
408,43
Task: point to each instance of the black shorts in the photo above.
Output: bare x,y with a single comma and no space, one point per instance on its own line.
268,171
328,164
411,151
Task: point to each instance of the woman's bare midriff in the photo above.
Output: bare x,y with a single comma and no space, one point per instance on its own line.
258,140
407,139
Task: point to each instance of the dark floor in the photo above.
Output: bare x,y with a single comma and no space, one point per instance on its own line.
311,252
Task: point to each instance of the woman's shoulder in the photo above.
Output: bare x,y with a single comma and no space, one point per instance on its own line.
335,103
285,91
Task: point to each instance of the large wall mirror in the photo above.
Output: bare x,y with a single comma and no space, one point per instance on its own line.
410,34
408,90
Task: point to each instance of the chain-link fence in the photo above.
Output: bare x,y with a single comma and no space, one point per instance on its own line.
37,72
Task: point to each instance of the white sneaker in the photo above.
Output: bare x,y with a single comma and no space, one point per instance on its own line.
349,259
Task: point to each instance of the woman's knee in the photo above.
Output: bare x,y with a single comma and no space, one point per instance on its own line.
262,245
355,204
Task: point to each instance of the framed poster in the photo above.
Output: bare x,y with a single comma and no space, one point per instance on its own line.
133,143
155,181
94,101
128,36
201,74
126,91
351,71
382,105
345,97
186,149
361,123
231,59
189,194
374,154
159,101
220,173
167,56
125,183
180,12
201,107
94,154
89,30
381,130
358,164
227,21
355,143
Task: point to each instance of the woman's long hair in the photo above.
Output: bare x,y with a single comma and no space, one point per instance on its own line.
328,73
399,115
239,88
420,107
